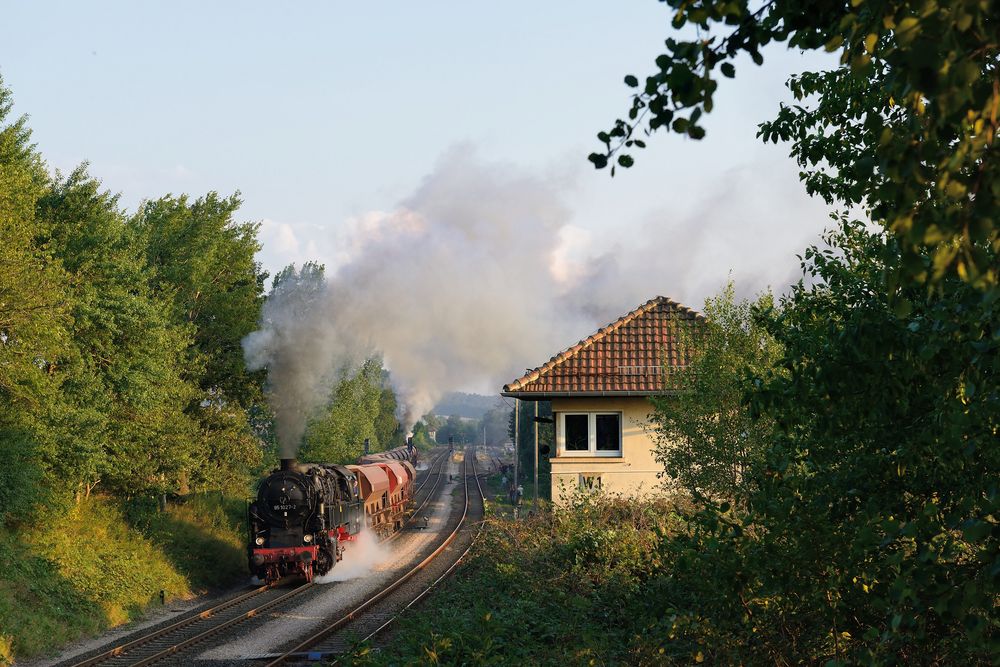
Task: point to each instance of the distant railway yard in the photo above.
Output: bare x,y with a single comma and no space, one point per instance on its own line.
293,621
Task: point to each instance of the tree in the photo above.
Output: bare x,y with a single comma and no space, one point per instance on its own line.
33,321
120,421
421,437
456,429
495,423
337,435
32,297
203,267
906,126
871,535
707,439
204,264
886,441
388,430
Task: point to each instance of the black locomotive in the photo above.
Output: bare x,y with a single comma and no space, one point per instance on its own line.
303,515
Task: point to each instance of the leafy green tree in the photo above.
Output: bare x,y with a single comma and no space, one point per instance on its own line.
121,420
34,305
310,276
229,454
388,430
204,264
872,535
337,435
420,437
887,444
120,365
907,125
707,439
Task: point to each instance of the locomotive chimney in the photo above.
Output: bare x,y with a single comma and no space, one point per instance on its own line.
287,464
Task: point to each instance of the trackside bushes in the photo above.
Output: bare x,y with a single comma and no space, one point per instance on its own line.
566,587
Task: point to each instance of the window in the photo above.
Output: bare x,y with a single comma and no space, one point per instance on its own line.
607,433
577,433
589,433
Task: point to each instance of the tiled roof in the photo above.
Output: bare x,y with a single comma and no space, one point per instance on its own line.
632,355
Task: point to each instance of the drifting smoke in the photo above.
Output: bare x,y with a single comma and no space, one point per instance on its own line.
361,557
477,274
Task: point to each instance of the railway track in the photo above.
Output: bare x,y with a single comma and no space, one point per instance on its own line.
166,641
380,610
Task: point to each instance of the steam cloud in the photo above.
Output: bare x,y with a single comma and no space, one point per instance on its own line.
477,274
361,557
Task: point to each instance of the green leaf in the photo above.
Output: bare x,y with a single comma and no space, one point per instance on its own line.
600,160
728,70
631,81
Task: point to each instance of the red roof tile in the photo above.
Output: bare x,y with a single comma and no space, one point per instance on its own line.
632,355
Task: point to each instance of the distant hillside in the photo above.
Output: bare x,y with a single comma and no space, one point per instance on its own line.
459,404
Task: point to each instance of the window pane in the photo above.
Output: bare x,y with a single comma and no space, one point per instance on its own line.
608,433
576,433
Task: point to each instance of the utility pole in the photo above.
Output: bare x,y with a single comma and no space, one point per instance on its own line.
517,438
534,501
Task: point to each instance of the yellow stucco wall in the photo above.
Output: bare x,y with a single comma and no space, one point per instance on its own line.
634,473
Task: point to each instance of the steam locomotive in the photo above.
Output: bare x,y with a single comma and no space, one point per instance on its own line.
305,513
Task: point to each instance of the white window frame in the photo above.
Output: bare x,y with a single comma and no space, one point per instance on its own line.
591,450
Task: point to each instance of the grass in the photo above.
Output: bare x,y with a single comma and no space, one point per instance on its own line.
104,563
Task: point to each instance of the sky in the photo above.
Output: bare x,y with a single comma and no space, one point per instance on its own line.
324,115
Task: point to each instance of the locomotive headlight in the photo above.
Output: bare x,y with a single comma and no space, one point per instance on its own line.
259,541
307,539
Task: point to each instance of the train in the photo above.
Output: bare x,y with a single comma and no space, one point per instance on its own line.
305,513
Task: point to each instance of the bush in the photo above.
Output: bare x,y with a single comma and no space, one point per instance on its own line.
564,587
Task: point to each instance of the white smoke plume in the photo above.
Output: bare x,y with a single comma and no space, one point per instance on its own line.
480,273
361,556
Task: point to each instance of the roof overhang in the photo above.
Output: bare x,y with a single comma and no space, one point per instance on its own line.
544,396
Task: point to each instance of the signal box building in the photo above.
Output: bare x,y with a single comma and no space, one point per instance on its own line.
600,389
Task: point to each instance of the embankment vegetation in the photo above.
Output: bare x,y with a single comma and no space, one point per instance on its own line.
102,561
131,432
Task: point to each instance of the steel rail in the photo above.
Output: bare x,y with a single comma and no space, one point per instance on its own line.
156,634
437,482
430,468
167,652
364,606
444,575
143,640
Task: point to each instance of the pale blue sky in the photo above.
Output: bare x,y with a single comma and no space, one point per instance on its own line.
318,112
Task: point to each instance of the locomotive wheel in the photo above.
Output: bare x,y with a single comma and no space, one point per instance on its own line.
324,560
